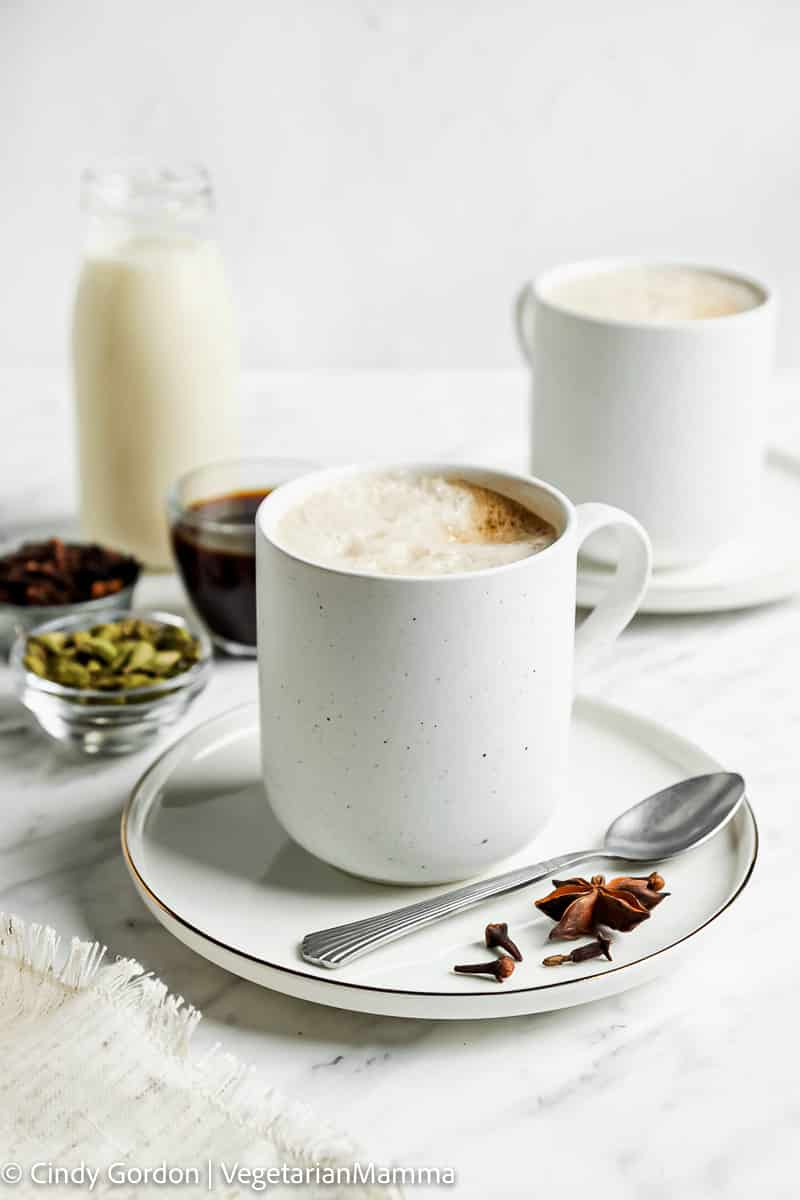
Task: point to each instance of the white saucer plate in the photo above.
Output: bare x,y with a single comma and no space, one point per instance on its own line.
759,566
215,868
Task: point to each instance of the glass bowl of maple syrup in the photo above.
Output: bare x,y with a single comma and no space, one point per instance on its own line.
211,512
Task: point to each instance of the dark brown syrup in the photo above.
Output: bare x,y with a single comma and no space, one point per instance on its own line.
218,564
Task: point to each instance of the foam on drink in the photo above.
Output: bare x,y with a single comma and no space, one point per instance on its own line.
398,523
655,293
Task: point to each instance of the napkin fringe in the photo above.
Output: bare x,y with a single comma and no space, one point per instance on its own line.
47,973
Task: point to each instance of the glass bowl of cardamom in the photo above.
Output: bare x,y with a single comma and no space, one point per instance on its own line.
109,687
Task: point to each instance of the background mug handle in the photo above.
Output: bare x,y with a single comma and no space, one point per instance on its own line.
523,321
610,616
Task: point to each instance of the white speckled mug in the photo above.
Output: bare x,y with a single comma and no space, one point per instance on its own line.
666,418
414,729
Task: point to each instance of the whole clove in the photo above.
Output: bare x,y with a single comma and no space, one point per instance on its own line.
496,935
500,968
600,946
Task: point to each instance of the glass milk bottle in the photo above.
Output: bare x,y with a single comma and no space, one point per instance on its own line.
154,350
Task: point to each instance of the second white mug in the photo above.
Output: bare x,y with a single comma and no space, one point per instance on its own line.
665,418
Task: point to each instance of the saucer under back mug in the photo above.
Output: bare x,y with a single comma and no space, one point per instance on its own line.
414,728
662,415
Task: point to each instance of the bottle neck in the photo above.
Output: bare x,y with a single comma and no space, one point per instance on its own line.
130,201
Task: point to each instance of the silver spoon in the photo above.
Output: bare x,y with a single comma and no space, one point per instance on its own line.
663,825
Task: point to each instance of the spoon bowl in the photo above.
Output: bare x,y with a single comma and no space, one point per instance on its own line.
675,819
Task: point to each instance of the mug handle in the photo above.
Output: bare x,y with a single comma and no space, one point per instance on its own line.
610,616
523,322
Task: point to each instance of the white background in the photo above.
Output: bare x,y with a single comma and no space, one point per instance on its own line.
388,173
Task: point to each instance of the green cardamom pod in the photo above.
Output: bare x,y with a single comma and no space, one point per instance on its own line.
71,674
100,648
50,641
141,655
36,662
165,660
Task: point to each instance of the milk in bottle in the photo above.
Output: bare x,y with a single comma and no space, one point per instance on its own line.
154,349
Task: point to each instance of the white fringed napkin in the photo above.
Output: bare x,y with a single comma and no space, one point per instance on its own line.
94,1069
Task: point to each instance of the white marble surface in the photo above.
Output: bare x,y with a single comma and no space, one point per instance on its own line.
686,1087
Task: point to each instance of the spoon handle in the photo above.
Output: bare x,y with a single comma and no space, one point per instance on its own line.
342,943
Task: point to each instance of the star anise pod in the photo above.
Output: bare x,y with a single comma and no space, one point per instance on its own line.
580,906
646,888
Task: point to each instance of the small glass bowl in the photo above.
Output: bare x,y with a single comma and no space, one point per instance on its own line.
108,722
211,512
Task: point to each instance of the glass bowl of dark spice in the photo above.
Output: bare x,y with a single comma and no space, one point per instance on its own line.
211,513
48,579
108,688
